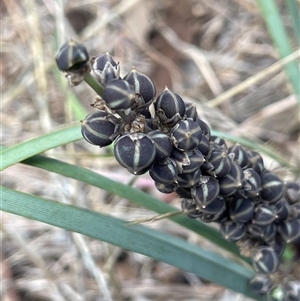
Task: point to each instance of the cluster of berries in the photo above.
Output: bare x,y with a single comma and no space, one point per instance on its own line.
164,136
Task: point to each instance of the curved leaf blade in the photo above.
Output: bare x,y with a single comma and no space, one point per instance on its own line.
137,238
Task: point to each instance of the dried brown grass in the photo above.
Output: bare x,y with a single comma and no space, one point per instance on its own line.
206,51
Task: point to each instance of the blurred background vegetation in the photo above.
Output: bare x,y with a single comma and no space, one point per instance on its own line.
223,55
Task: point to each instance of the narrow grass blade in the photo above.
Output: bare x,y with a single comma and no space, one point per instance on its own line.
294,13
257,147
37,145
137,238
280,40
137,196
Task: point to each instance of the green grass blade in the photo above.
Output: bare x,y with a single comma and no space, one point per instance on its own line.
294,13
137,196
280,40
40,144
137,238
257,147
37,145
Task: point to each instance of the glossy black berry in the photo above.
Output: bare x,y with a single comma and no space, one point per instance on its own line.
214,207
290,230
292,192
135,151
188,180
105,68
271,187
100,128
196,159
220,161
190,208
255,161
241,210
186,135
219,141
72,57
164,172
265,260
204,128
206,191
232,231
261,284
232,181
263,215
240,155
191,111
163,144
282,210
118,94
169,108
142,84
251,183
165,188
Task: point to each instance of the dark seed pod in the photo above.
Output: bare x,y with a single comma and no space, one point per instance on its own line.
100,128
295,211
118,94
251,183
282,210
292,289
261,284
278,244
204,128
204,146
183,192
292,192
271,187
163,144
265,260
72,57
190,209
196,160
142,84
255,161
219,217
290,230
164,172
240,155
232,231
263,215
165,188
269,233
188,180
135,151
219,141
181,159
231,182
191,111
255,231
214,207
220,161
241,210
206,191
276,293
169,107
105,68
186,135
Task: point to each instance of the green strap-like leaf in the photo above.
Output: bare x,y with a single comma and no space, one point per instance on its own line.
37,145
280,39
137,196
137,238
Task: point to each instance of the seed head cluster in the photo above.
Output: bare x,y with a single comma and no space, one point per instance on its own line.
228,185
